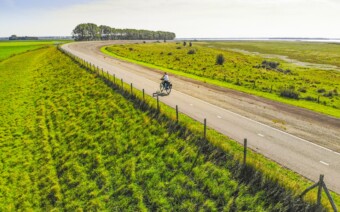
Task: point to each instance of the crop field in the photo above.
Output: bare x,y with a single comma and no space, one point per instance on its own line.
10,48
68,142
275,79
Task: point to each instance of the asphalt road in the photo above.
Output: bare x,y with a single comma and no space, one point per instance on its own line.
297,154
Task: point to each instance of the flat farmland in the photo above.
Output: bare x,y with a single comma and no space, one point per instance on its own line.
312,52
274,78
11,48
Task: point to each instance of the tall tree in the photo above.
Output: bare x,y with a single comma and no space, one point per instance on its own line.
105,32
93,31
86,31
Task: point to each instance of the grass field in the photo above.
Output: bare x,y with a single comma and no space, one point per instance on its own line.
10,48
70,142
313,52
304,87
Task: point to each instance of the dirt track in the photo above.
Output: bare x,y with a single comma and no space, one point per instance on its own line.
317,128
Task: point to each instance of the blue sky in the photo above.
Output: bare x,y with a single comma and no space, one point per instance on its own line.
187,18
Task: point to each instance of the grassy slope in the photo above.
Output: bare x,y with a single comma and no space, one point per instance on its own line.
68,142
10,48
237,68
269,169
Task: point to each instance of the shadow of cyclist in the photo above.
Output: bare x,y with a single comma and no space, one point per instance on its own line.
158,93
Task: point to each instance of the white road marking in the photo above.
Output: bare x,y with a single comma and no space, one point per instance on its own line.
191,105
301,139
259,134
324,163
219,117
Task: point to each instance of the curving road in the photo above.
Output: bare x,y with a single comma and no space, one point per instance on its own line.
295,153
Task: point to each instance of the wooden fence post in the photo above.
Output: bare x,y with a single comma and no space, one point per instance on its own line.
320,190
143,95
131,89
245,151
308,189
205,128
177,113
122,83
321,184
157,103
329,197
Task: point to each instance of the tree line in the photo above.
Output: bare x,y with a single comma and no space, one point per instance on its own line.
90,31
14,37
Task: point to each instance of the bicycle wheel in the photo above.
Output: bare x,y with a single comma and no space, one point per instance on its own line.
168,89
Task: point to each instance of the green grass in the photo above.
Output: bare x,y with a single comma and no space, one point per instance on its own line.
69,142
10,48
270,171
317,89
312,52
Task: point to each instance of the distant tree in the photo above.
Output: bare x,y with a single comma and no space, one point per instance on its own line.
13,37
93,30
105,32
220,59
79,33
190,44
184,43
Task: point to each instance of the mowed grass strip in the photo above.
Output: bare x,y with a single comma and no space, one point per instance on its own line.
309,88
69,142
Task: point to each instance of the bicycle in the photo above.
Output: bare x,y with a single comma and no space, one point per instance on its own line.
165,87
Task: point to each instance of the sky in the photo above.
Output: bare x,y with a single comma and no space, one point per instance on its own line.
187,18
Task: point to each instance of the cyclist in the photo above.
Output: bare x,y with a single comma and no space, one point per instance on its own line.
166,80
